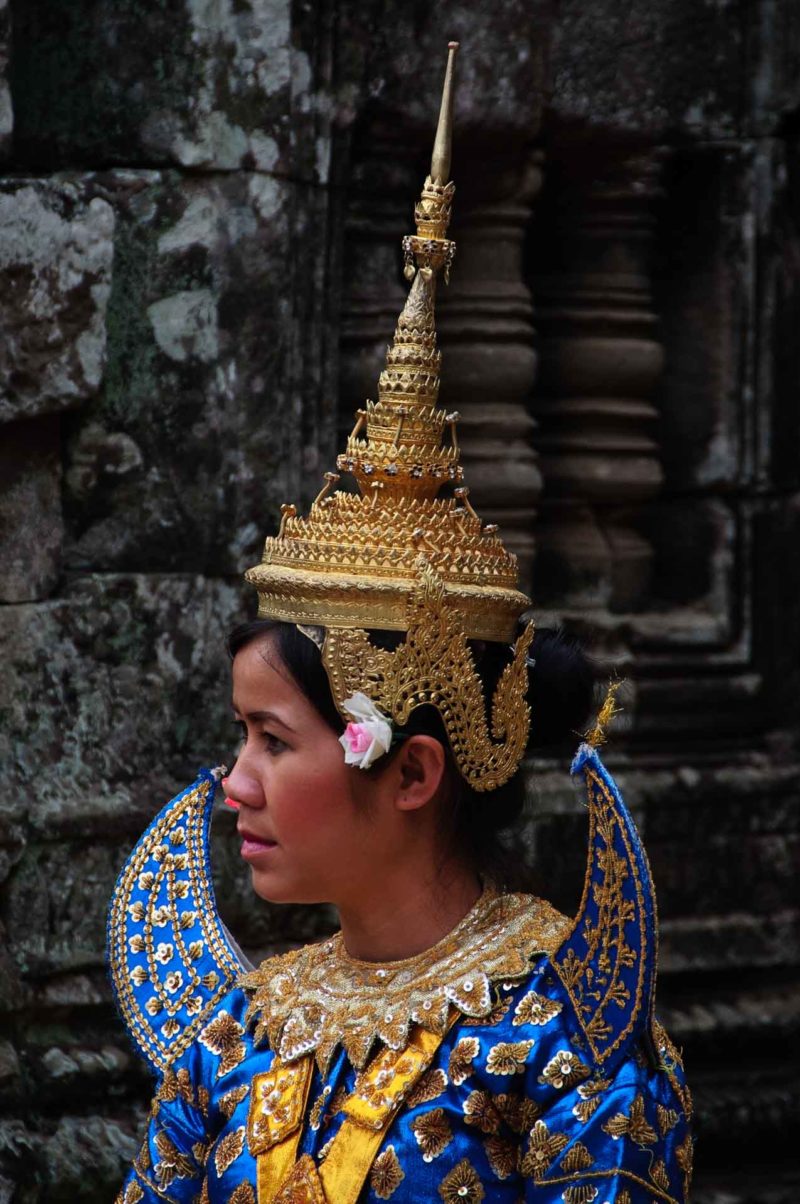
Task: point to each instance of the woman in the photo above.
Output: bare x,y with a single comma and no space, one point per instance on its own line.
454,1040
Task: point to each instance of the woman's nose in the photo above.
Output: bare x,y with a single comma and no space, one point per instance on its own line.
241,790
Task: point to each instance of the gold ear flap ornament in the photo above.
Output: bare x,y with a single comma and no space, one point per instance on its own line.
434,666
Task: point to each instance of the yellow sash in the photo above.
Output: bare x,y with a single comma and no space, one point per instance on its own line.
278,1106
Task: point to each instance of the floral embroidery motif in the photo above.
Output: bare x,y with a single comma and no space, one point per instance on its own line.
429,1087
461,1059
543,1147
172,1164
517,1111
667,1119
228,1150
580,1194
536,1009
433,1133
133,1193
318,997
243,1194
462,1185
303,1185
508,1057
634,1125
230,1101
223,1036
585,1109
564,1070
685,1156
480,1111
499,1012
502,1156
386,1174
658,1173
577,1158
315,1115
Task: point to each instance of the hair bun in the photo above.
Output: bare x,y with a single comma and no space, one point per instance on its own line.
561,689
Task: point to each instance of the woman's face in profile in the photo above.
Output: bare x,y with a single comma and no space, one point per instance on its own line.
313,828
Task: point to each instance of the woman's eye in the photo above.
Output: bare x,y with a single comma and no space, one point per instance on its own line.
272,743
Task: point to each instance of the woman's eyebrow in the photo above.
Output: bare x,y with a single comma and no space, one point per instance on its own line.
262,716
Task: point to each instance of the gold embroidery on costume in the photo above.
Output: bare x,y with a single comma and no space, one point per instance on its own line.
502,1155
315,998
171,1164
430,1087
634,1125
581,1193
386,1174
667,1119
543,1148
243,1194
463,1055
228,1150
564,1070
302,1186
517,1111
462,1185
480,1111
433,1133
658,1173
229,1102
593,981
534,1008
685,1155
577,1158
508,1057
499,1012
223,1036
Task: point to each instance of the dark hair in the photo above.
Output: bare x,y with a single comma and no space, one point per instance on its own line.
560,694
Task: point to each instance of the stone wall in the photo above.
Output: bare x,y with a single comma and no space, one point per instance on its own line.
200,214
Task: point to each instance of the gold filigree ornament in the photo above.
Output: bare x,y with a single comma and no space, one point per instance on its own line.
396,556
317,998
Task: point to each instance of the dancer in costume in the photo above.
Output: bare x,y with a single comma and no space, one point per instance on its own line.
482,1048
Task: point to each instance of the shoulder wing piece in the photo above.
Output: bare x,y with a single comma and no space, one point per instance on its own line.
607,965
169,956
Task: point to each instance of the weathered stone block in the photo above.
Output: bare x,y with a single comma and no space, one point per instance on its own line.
113,696
31,522
187,83
6,114
650,68
212,410
55,277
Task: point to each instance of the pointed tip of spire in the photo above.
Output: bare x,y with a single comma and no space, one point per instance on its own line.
440,160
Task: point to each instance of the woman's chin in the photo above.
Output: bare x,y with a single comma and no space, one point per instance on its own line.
273,889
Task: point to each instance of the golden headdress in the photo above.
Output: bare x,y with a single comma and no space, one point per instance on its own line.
396,556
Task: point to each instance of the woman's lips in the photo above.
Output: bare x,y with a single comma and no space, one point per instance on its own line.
255,846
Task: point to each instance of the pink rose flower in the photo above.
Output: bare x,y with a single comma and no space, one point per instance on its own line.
358,738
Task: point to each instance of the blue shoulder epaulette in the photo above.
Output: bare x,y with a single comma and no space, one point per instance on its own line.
169,956
607,964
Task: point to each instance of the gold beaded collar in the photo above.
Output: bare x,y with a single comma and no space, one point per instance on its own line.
317,998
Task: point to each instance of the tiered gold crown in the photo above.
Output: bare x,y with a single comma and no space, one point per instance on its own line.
396,555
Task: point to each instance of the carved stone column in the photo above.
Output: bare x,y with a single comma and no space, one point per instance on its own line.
600,363
487,338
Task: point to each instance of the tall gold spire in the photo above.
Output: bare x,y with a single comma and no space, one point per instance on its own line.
401,453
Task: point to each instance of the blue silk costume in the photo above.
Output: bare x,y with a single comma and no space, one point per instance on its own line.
533,1072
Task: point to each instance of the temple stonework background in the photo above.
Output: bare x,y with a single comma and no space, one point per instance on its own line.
201,207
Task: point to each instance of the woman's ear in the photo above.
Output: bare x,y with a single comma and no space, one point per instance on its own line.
421,764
